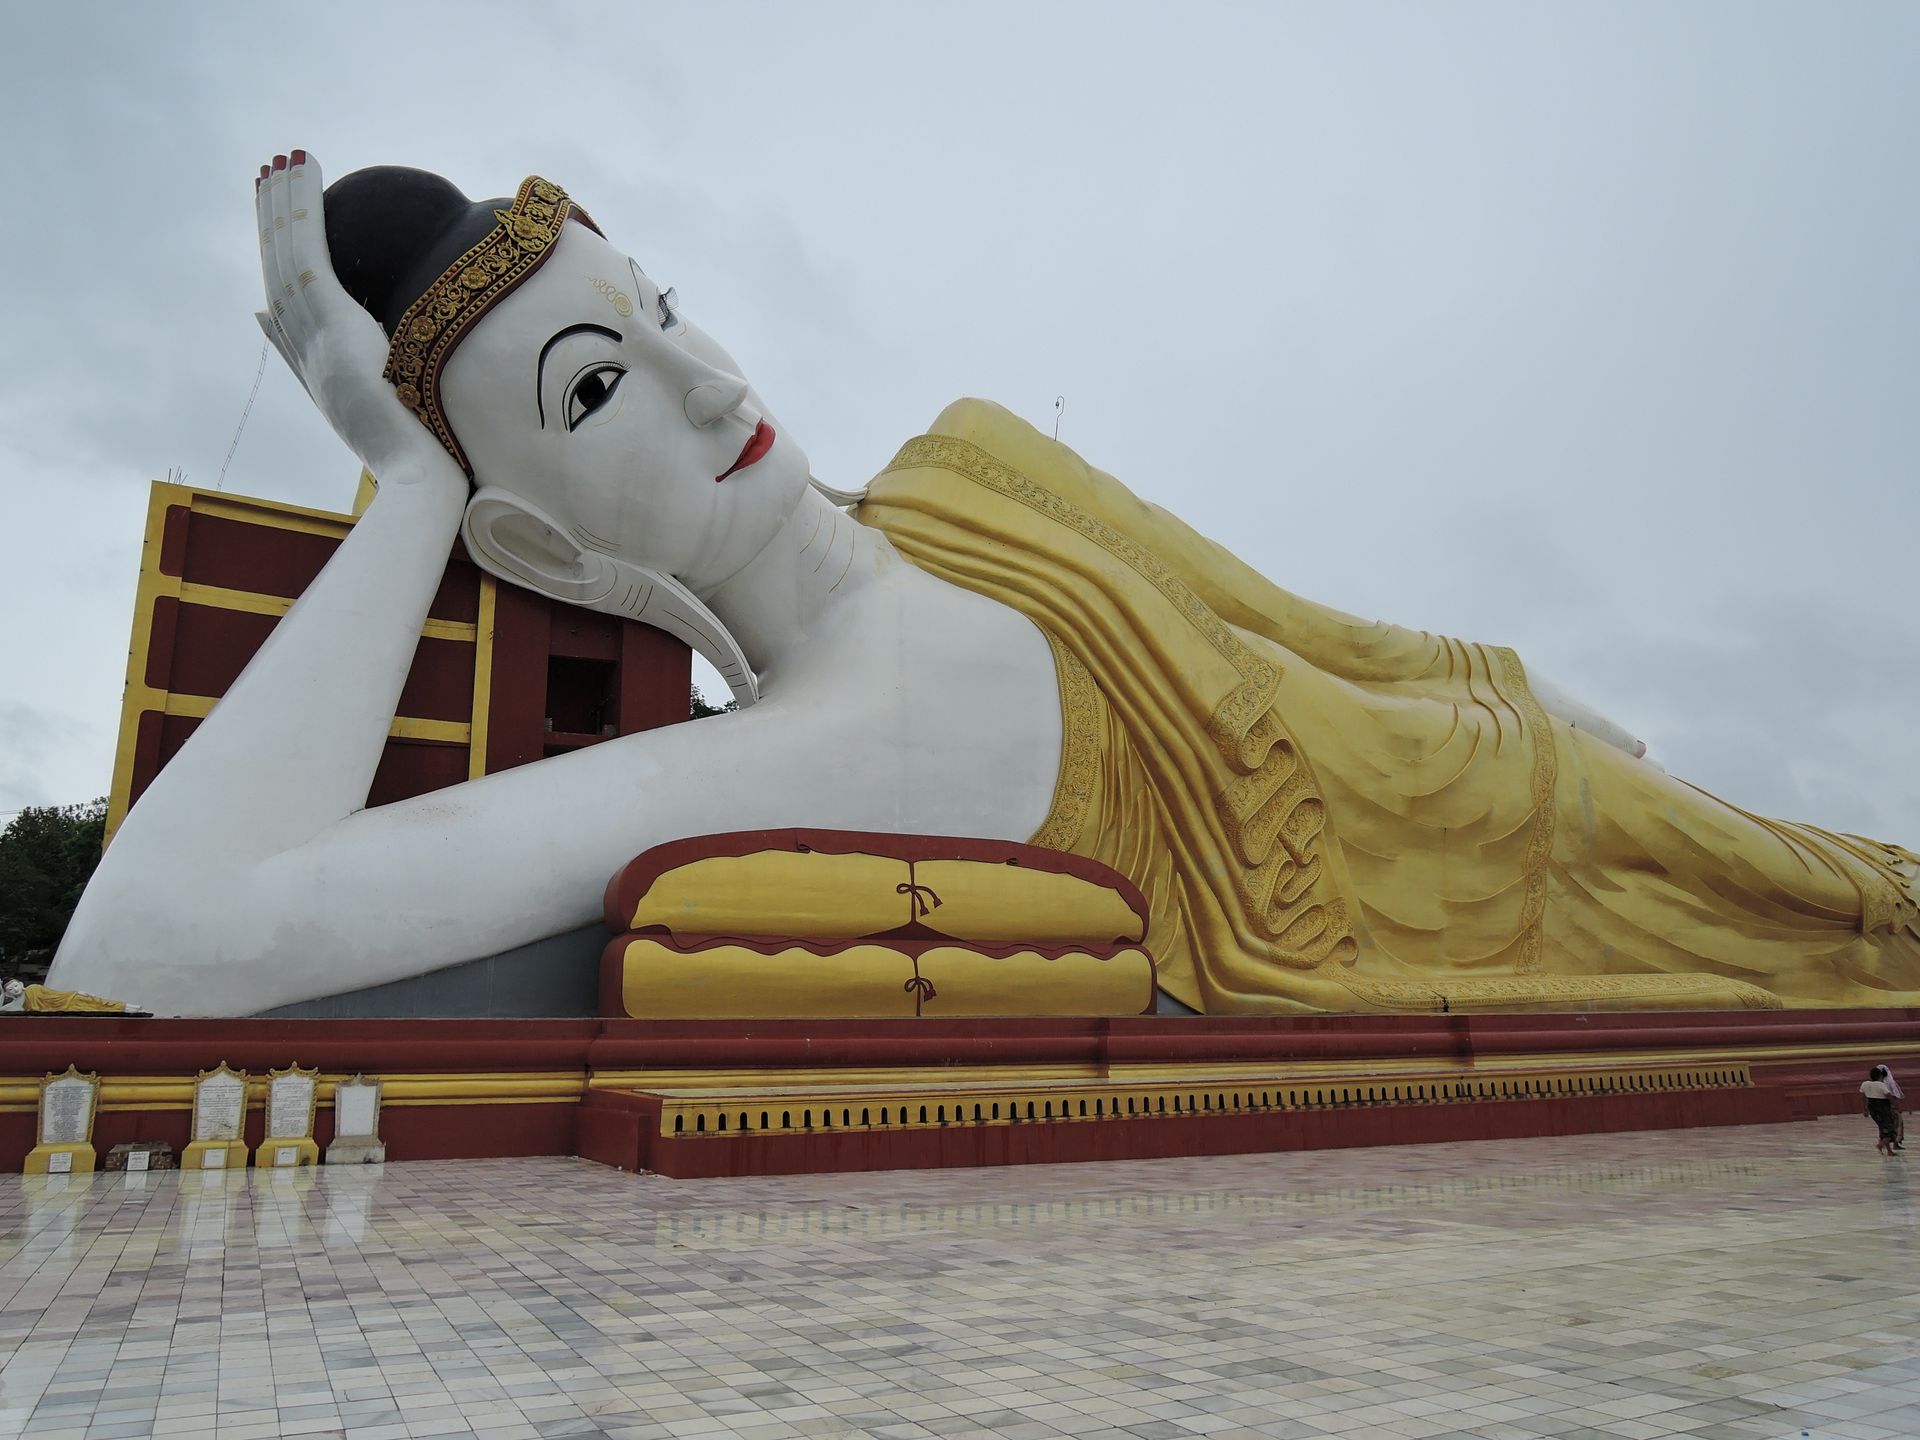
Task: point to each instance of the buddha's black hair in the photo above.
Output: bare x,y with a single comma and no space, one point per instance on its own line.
392,231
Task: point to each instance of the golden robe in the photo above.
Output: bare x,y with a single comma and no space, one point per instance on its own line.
1326,813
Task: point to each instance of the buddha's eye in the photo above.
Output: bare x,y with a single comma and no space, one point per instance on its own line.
669,308
591,391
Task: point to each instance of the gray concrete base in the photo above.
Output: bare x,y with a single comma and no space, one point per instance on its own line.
356,1150
558,978
549,979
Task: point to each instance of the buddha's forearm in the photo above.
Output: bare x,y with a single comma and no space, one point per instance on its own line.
1582,716
294,744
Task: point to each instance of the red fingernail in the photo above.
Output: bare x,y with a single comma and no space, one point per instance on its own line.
265,170
279,162
256,184
299,157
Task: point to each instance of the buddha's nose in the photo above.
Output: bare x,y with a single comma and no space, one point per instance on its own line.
714,400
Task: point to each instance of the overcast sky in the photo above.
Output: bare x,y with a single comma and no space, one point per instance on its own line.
1585,329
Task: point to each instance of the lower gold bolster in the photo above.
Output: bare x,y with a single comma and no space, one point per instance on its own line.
868,981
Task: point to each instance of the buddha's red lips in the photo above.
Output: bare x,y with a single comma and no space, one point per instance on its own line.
757,446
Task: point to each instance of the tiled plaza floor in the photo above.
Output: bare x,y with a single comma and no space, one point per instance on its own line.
1729,1283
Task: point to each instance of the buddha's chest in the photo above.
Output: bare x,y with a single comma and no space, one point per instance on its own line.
944,699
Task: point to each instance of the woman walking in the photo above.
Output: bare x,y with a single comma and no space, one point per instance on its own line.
1895,1094
1880,1109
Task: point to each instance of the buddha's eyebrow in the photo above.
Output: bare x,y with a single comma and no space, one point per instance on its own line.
540,369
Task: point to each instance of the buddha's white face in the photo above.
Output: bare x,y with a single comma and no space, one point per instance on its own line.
588,395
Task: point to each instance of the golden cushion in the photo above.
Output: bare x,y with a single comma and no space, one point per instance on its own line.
656,979
838,885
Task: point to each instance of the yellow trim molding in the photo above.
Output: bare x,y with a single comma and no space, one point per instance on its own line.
175,1092
482,677
825,1111
1237,1071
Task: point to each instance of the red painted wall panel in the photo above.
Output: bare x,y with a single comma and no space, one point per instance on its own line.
582,633
210,648
458,597
517,718
416,767
440,684
656,673
262,559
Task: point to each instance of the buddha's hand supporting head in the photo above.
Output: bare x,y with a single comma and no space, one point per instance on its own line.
331,343
612,444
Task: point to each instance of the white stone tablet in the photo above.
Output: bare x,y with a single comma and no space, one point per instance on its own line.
356,1105
66,1109
60,1163
290,1103
219,1107
137,1160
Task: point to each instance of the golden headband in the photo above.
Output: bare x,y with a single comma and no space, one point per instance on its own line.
465,291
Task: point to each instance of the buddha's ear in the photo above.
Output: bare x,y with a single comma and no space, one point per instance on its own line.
511,539
514,541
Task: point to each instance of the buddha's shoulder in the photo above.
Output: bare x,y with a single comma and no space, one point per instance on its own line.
1002,434
992,433
971,418
997,432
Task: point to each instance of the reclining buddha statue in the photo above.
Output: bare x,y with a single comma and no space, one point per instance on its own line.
993,639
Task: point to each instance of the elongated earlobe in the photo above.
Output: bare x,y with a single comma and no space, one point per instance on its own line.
837,495
513,541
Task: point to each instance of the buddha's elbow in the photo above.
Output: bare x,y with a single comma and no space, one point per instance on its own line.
151,938
99,952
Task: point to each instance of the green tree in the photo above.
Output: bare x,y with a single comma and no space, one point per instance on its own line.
46,856
700,709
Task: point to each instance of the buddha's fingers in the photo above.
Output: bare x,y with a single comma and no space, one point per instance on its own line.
282,302
317,291
269,260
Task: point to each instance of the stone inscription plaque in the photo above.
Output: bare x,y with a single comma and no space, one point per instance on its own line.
354,1108
219,1107
290,1106
66,1111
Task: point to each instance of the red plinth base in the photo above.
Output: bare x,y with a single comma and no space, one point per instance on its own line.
692,1098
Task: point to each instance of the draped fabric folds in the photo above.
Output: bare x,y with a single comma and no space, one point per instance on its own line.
1331,814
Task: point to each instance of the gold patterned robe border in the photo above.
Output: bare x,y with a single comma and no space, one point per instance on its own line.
1079,751
1540,794
476,282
